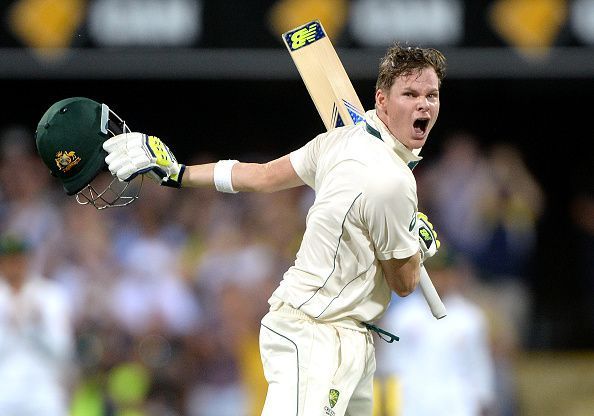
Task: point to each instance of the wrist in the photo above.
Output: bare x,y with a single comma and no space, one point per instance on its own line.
222,176
175,181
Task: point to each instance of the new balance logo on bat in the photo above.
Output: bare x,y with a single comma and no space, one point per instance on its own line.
304,35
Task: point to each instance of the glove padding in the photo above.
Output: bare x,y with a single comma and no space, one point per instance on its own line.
427,237
133,154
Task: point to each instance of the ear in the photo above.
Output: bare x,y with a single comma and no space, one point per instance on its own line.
380,99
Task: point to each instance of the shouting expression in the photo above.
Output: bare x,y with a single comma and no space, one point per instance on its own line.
411,106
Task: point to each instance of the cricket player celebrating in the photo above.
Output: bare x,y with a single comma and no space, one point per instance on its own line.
364,236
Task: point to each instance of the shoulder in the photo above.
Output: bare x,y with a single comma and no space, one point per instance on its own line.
343,135
345,144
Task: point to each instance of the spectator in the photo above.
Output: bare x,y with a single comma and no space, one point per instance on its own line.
488,207
26,205
512,205
451,193
441,367
150,293
36,337
237,266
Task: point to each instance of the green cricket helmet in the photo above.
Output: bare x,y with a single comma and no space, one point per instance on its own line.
69,139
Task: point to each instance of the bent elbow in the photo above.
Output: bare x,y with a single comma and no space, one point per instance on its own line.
404,286
404,292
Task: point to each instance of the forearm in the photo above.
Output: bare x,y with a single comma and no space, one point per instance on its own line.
135,154
199,176
247,177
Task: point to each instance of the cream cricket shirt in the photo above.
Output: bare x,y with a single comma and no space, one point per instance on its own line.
364,211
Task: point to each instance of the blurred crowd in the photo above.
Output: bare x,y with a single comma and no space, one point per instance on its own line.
161,300
154,309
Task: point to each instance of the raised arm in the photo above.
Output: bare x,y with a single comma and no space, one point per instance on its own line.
135,154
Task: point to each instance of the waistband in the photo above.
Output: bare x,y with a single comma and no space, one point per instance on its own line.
288,310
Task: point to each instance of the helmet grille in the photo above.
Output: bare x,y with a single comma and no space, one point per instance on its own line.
116,194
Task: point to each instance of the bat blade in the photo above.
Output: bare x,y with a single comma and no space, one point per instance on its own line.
324,75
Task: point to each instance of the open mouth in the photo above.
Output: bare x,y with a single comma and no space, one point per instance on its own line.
420,125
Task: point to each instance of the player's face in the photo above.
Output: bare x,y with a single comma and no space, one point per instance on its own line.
411,106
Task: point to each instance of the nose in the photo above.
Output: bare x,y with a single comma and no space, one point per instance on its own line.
422,103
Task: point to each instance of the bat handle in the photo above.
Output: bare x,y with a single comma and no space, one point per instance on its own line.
431,296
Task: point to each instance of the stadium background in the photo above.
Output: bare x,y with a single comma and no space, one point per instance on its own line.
213,77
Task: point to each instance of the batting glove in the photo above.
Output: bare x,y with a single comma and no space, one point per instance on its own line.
133,154
427,237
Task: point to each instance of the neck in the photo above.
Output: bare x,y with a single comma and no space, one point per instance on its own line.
384,119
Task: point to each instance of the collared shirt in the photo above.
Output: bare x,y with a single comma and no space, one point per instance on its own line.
364,211
410,158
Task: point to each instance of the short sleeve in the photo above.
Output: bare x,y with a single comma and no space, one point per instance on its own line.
305,160
389,208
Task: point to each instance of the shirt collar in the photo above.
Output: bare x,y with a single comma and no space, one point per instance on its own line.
388,138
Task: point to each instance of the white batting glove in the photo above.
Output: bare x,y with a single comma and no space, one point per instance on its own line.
427,237
133,154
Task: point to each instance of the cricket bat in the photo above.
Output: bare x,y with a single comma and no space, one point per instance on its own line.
337,102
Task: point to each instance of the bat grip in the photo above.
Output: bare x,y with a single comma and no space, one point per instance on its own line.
431,296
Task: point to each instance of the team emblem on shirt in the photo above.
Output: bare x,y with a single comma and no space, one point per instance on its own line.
332,399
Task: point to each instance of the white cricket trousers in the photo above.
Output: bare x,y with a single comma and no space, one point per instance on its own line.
315,368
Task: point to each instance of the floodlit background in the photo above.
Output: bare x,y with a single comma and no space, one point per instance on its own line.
155,308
